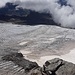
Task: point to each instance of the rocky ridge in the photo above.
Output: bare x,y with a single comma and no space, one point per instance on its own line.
51,67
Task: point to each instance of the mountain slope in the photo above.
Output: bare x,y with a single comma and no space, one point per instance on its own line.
9,13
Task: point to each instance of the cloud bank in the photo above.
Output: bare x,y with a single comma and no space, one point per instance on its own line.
63,11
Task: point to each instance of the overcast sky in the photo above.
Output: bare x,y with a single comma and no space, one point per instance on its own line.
64,15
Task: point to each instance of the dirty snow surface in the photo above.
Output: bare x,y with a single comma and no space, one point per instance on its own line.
36,41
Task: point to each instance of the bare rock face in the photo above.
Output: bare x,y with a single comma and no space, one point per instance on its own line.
13,57
59,67
37,71
18,59
66,69
52,67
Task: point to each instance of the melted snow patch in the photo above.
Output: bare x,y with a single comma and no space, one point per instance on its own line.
23,43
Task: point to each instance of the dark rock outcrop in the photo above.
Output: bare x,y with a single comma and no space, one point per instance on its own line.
59,67
18,59
37,71
52,67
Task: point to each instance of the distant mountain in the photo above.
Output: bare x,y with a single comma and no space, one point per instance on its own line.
62,2
9,13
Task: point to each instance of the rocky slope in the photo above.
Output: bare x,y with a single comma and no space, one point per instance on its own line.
40,40
52,67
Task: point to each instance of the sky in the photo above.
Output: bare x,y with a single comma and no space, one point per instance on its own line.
62,14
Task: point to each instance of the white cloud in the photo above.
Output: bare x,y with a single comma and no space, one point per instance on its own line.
3,2
64,15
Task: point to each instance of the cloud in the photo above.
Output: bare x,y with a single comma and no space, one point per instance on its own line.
3,2
37,5
62,14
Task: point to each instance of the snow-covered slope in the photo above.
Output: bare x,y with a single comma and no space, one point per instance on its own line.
40,40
